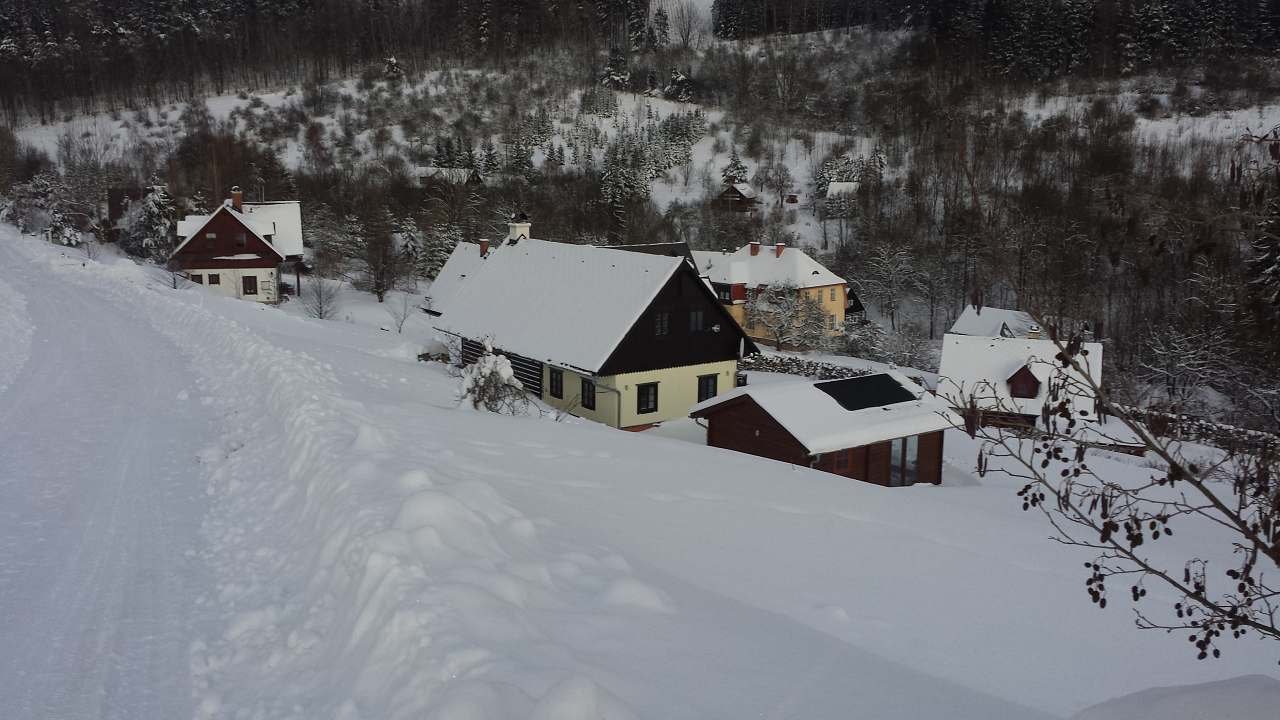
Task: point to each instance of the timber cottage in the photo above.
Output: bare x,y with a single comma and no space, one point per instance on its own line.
881,429
628,339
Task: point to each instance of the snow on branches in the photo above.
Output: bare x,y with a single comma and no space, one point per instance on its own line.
490,384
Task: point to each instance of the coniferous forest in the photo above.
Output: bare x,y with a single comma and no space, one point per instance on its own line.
1032,153
85,51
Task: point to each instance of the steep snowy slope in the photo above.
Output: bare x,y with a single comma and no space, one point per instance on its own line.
368,550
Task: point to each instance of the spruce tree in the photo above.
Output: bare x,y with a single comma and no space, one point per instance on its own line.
735,172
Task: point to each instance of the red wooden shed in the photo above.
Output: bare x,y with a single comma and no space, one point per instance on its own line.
881,428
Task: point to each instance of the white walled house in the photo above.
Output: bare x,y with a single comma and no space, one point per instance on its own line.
1009,378
232,252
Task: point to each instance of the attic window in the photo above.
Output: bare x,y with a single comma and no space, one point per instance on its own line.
661,324
242,240
697,321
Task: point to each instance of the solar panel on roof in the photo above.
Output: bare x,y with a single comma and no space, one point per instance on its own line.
860,393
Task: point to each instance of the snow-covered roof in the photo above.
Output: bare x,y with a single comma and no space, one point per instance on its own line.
282,221
993,322
745,190
554,302
241,256
841,188
192,224
764,268
981,367
463,262
821,423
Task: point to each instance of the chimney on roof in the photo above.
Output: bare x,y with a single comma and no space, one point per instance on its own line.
778,248
755,248
484,247
518,228
237,199
1033,332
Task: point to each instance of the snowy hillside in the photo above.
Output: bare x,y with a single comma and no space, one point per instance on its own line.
214,508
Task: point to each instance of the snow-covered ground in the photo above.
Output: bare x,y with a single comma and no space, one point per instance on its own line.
218,508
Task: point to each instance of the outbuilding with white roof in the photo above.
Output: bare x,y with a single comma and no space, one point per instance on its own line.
880,428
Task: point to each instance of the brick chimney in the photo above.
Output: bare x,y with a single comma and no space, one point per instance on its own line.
755,248
237,199
777,249
484,247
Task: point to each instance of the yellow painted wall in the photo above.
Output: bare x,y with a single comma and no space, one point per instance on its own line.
677,392
606,399
833,303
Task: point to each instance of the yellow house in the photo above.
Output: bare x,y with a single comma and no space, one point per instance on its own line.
624,338
735,276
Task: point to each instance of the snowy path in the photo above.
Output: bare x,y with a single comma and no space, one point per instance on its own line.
100,506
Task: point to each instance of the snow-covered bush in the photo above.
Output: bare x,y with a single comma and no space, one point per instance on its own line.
490,384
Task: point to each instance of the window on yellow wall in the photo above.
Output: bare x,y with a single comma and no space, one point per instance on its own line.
833,294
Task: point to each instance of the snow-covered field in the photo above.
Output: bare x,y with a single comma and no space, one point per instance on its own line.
213,508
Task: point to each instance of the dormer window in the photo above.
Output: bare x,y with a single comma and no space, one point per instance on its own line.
1023,384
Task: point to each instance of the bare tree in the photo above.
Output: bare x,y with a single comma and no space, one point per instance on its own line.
1183,361
91,249
789,317
401,309
1230,588
490,384
686,23
892,278
322,298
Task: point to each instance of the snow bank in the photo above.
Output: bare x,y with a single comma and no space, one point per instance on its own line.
352,584
1251,697
15,334
382,555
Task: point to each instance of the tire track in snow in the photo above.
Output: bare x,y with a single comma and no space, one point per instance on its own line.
15,334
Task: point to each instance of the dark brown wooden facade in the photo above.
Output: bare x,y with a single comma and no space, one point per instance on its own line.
731,198
230,238
1024,384
743,426
686,340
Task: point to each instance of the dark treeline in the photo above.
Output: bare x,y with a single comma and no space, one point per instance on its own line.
1034,39
75,55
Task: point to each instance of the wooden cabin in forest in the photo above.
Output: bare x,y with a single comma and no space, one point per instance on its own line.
739,197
